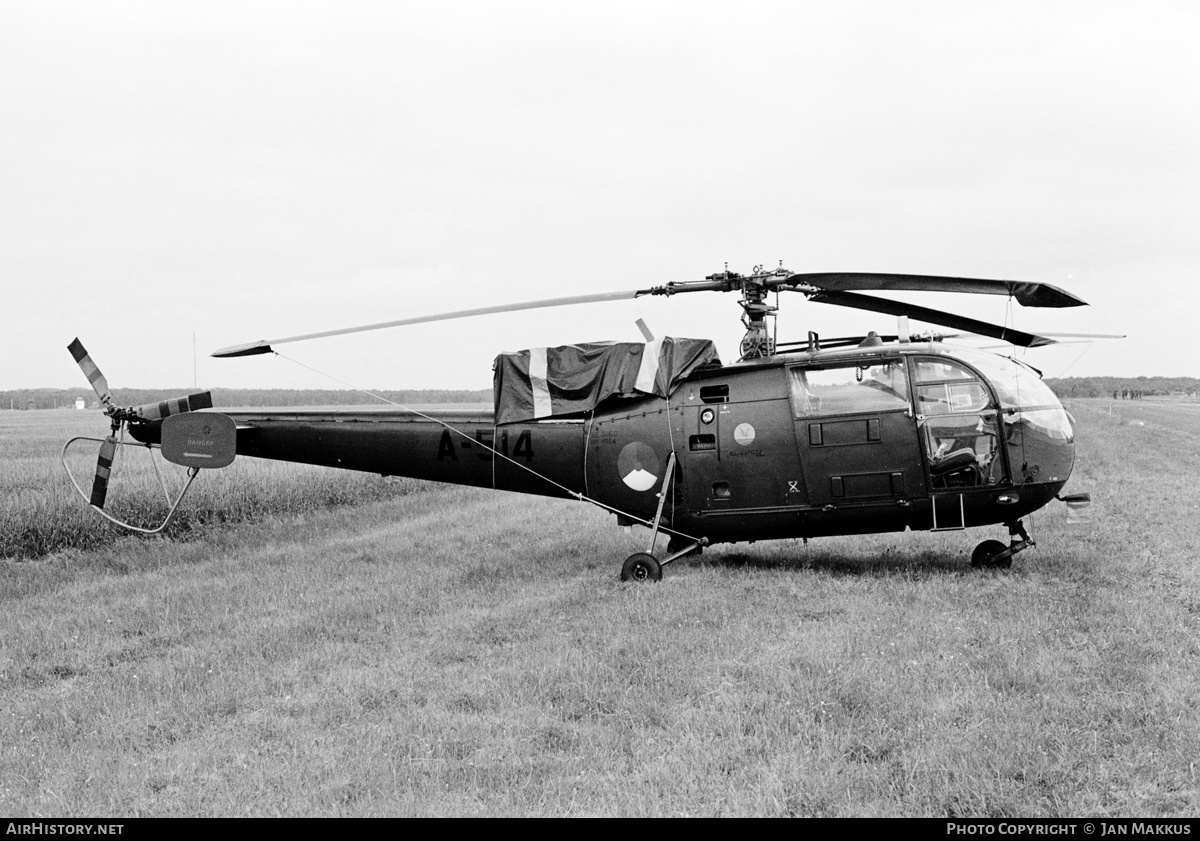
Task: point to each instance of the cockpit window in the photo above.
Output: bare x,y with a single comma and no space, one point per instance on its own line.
1016,385
944,387
1025,400
948,398
938,370
877,387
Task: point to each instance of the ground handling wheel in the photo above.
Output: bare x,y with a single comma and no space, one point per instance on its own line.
984,556
641,567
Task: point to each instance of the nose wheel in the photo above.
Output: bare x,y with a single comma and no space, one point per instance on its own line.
992,554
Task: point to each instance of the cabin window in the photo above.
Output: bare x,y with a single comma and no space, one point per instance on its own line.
880,386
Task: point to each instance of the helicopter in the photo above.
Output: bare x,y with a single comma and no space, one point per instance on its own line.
813,438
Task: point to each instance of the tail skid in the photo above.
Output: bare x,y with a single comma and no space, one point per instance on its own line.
173,506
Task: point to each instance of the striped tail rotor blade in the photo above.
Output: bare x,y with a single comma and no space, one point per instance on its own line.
99,383
103,470
158,411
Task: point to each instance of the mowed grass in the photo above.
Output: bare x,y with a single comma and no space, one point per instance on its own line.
460,652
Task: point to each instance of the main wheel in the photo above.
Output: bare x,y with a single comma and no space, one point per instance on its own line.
641,567
985,553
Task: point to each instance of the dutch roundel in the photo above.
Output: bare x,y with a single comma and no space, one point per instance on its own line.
638,466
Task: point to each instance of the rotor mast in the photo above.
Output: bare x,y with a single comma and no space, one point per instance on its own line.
758,341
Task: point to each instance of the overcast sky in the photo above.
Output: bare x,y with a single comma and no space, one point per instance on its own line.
239,171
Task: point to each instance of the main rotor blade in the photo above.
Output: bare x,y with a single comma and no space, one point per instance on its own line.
108,449
1027,293
99,383
1072,338
946,319
1084,335
264,345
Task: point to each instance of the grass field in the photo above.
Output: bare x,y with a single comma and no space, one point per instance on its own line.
444,651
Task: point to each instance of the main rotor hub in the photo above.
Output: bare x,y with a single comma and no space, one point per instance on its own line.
758,341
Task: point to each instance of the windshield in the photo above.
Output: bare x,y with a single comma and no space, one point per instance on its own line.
1017,386
1020,389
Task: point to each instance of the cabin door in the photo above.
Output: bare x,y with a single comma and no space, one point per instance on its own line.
857,434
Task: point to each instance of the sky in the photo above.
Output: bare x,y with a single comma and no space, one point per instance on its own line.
175,178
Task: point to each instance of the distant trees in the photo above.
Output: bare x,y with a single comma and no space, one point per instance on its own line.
1124,388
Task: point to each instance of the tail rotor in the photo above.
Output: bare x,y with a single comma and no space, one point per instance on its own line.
120,416
144,413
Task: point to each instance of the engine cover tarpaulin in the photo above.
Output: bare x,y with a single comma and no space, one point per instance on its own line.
551,382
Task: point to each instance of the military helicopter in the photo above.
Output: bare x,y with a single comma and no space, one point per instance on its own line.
857,435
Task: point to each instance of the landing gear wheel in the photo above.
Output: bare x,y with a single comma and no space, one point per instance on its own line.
984,554
641,567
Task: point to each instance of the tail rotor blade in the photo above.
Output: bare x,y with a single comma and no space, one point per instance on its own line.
99,383
177,406
108,451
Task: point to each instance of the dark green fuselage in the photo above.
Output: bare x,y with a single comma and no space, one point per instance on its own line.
793,446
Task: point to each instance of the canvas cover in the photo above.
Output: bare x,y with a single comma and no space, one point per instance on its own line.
557,381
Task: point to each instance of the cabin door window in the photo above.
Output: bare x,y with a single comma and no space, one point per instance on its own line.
959,426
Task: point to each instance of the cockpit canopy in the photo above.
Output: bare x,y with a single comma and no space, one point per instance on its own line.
969,408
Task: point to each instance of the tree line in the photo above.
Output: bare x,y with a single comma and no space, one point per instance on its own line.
1125,387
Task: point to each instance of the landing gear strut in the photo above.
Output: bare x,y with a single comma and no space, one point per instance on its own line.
684,547
992,554
643,566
